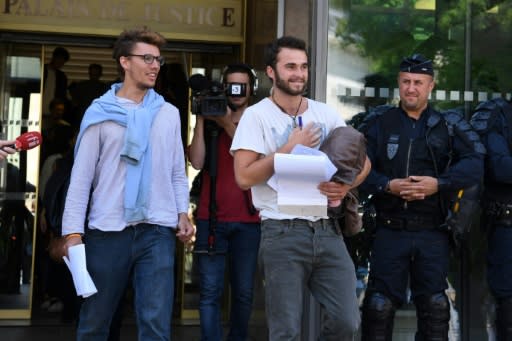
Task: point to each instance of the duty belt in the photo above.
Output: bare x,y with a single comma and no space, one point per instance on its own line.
502,213
408,224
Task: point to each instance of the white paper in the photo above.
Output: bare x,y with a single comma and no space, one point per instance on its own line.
300,149
296,178
77,266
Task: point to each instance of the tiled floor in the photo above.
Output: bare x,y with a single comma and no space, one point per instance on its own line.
64,332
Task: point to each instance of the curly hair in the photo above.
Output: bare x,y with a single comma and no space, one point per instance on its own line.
273,48
129,37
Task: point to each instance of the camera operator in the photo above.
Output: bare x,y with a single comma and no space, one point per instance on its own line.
227,228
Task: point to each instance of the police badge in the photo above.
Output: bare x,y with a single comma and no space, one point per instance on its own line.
392,147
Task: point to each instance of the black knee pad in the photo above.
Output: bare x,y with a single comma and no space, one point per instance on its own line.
377,306
433,317
504,319
378,316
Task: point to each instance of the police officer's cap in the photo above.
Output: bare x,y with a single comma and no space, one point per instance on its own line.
417,64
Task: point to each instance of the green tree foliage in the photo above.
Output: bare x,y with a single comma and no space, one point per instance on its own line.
385,31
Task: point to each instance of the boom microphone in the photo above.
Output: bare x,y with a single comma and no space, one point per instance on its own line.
26,141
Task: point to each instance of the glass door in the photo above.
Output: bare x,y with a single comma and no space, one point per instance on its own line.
20,67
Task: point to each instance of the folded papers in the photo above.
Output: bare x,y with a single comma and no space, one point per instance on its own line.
77,266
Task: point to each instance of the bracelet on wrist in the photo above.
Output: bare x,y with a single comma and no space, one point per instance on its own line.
68,236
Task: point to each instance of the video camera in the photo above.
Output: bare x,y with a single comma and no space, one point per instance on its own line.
209,98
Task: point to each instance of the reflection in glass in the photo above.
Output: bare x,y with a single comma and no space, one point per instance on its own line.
470,43
16,235
20,88
368,38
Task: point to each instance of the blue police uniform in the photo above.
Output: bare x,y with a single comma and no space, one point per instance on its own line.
493,121
408,243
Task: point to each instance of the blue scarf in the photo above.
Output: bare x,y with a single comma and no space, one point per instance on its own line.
136,150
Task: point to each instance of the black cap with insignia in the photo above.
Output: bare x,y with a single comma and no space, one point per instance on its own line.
417,64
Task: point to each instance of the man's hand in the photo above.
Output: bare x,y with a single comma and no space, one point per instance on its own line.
414,187
334,190
308,136
4,150
186,231
225,122
70,241
221,120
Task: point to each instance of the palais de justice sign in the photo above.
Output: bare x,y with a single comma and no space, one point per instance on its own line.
206,20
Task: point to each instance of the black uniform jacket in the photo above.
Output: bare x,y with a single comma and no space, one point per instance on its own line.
399,146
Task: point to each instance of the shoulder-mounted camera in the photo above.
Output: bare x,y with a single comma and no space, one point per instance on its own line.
209,98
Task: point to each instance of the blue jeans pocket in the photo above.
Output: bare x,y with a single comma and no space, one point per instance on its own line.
164,231
272,231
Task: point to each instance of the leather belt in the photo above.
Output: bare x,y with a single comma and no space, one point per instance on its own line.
407,224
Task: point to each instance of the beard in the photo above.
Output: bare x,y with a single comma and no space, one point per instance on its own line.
409,105
284,87
413,104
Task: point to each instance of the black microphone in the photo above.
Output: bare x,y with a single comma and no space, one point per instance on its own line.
198,82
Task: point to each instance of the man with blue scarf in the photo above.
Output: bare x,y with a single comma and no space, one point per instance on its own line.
129,183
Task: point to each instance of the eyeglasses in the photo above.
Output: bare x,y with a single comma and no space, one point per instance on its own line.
149,58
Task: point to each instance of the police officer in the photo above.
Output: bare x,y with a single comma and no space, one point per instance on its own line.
417,155
493,121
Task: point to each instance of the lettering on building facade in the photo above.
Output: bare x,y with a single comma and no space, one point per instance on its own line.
219,18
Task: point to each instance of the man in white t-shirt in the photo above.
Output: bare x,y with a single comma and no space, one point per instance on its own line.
296,252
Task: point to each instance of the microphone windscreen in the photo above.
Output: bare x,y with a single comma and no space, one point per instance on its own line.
28,140
198,82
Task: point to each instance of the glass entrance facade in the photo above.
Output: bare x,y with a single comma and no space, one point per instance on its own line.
470,44
20,97
28,279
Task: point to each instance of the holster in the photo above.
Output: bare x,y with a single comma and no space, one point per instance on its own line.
460,216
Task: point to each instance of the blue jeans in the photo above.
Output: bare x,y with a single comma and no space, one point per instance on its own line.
239,243
146,254
297,255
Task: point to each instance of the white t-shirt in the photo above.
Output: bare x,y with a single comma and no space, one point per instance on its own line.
264,128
